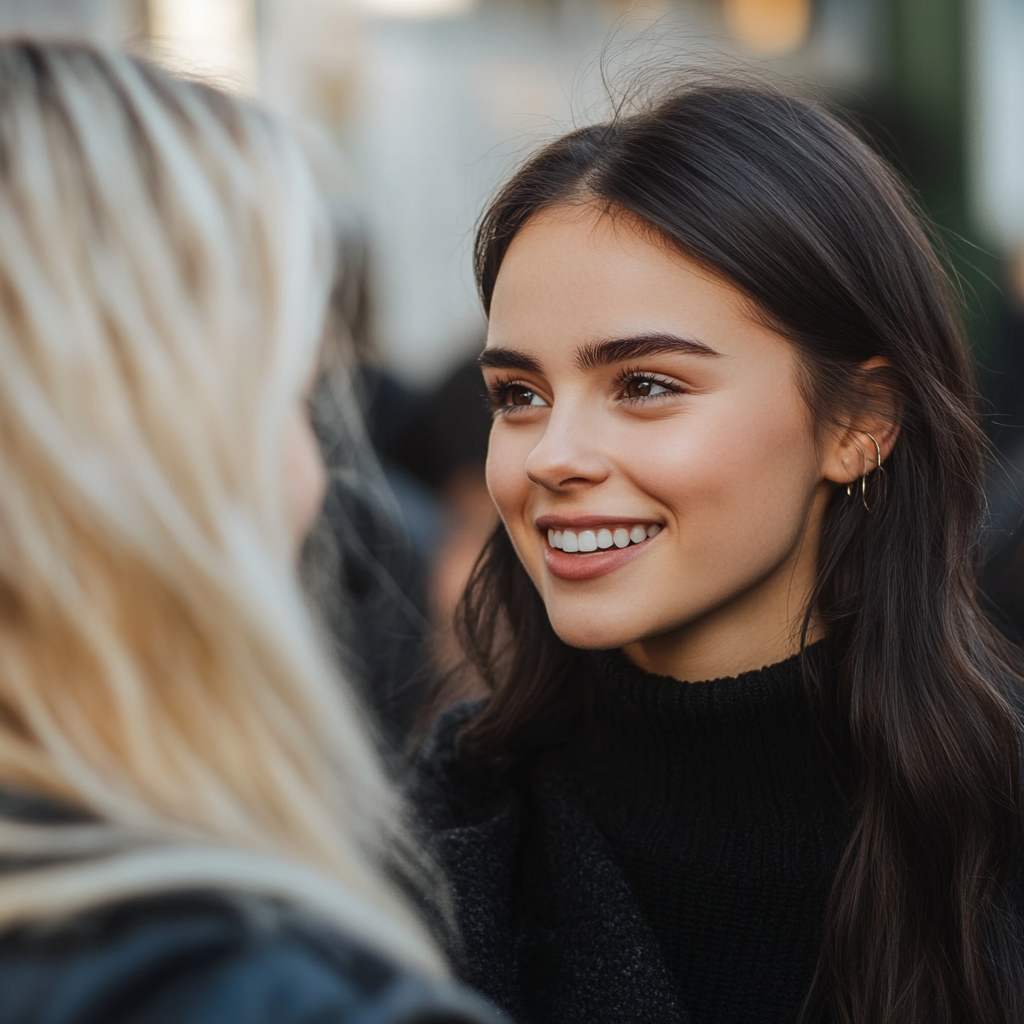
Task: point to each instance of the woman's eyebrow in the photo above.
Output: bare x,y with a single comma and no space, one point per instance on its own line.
507,359
620,350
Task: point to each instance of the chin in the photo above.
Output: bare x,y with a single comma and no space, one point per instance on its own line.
594,633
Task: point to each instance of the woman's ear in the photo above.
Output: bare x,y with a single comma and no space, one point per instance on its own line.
869,433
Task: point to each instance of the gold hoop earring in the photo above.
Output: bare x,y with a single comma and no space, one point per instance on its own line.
864,476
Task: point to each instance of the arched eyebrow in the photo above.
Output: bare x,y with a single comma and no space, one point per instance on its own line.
621,350
507,359
601,353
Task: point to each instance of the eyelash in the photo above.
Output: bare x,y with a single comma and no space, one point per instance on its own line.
498,390
628,375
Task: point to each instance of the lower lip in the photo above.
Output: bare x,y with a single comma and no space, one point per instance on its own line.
590,566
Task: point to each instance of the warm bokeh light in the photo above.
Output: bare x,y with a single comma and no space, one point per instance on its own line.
212,38
416,8
768,26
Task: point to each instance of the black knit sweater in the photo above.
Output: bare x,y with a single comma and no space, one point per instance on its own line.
723,821
667,860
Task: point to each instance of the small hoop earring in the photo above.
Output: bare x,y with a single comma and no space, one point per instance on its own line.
864,476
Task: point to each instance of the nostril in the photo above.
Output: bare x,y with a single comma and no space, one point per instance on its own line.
552,481
559,465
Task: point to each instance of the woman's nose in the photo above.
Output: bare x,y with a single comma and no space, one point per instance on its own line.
568,455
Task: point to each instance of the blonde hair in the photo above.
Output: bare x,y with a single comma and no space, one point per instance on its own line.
163,279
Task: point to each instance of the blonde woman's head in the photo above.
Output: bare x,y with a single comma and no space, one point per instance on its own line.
163,279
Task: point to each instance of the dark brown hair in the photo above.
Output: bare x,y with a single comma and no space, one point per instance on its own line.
776,196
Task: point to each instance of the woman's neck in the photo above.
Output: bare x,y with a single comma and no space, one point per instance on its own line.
724,644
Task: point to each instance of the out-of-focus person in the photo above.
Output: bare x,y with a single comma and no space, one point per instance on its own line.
443,446
1002,573
193,823
366,558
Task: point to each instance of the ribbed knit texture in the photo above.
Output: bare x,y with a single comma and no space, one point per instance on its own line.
715,802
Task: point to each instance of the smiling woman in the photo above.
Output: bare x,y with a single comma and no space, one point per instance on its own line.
751,751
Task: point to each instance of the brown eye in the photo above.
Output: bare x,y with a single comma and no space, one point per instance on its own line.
635,387
519,395
638,387
507,396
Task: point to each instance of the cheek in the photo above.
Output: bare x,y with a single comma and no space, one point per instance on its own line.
511,490
738,480
506,472
305,478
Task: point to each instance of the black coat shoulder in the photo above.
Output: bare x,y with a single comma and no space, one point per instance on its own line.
551,932
450,790
211,958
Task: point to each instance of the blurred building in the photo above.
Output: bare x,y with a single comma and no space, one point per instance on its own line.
432,101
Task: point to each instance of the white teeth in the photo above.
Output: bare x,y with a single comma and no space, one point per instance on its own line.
587,541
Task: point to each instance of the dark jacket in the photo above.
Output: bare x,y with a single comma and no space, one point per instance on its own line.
211,958
551,928
662,855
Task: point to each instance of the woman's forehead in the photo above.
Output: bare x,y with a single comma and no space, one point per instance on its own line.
576,281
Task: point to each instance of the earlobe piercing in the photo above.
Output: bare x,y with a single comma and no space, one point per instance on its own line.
864,476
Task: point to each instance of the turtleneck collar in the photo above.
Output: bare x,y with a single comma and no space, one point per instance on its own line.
763,690
730,741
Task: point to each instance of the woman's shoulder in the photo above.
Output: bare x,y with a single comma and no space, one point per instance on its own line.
208,958
450,788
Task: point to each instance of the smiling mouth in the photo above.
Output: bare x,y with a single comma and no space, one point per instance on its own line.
585,542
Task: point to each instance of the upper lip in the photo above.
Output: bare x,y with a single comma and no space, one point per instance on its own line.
587,521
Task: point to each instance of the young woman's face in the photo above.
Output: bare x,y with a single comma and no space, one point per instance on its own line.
652,457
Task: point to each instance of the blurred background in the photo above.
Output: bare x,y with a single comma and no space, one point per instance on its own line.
413,111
